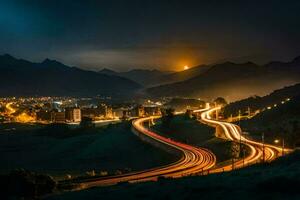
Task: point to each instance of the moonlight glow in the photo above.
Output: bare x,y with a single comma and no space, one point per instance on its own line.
185,67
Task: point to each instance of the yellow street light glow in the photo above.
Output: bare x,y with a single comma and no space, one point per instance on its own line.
186,67
276,141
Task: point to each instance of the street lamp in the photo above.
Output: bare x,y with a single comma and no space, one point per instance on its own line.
277,142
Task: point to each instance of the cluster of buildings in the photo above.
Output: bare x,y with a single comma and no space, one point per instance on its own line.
141,111
75,114
70,110
101,112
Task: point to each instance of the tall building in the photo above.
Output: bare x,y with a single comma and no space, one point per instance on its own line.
151,110
43,115
100,112
138,111
105,111
125,114
73,114
58,117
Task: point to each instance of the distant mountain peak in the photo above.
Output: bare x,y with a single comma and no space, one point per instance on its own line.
49,61
46,60
296,60
108,71
53,78
7,57
250,63
53,64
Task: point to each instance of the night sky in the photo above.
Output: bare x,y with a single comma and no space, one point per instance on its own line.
150,34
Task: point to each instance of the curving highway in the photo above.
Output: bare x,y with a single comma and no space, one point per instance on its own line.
258,151
193,161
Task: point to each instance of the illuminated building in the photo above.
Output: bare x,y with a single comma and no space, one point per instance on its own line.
73,114
105,111
100,112
43,115
58,117
138,111
151,110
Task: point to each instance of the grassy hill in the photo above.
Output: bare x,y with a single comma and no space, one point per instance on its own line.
279,122
257,102
191,131
59,150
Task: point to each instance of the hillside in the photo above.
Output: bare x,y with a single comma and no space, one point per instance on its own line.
188,130
282,121
257,102
149,78
60,150
51,78
142,76
233,81
278,116
183,75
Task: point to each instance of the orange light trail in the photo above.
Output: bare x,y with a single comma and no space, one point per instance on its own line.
233,132
193,161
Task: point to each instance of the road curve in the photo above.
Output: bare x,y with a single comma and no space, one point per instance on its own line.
233,132
193,161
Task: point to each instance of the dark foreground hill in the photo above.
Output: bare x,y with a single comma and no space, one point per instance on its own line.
279,116
277,123
257,102
234,81
51,78
277,180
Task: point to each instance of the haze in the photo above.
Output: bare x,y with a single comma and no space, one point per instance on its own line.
149,34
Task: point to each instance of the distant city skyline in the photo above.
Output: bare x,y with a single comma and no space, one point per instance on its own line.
124,35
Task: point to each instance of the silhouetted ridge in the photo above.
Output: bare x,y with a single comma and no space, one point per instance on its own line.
52,78
233,81
296,60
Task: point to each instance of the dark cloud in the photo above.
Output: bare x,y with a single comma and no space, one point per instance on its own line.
164,34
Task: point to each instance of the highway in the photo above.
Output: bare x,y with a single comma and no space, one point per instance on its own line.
233,132
193,161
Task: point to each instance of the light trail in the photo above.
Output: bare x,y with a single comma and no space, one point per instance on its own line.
232,132
9,108
193,161
22,117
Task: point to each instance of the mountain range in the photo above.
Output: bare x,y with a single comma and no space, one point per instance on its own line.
144,77
150,78
233,81
230,80
52,78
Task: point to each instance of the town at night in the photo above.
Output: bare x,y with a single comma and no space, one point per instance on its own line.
127,99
